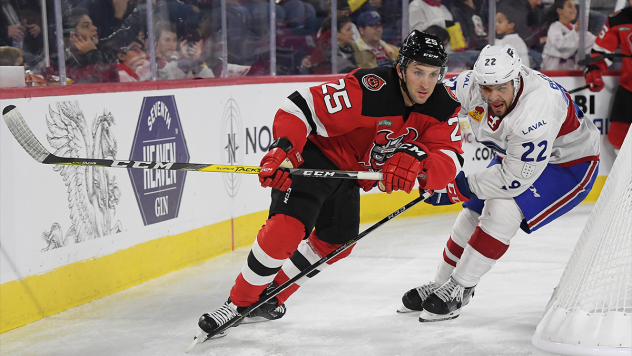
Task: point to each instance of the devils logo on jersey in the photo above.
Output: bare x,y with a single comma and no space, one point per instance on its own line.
373,82
385,145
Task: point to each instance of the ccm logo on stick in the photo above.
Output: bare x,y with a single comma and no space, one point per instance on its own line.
141,164
318,174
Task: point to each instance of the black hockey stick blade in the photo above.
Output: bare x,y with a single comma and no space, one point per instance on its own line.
315,265
25,137
590,60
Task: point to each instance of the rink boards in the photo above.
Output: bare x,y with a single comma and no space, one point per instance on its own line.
72,234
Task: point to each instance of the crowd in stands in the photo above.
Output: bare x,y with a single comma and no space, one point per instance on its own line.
107,40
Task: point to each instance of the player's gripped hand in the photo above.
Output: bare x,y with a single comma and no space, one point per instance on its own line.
366,185
594,79
401,170
458,191
280,155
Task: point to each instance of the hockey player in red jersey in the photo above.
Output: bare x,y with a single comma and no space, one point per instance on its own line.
399,120
616,32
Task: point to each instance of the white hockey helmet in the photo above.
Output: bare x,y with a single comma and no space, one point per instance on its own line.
497,65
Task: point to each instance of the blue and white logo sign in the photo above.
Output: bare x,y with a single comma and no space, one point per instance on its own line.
158,138
232,145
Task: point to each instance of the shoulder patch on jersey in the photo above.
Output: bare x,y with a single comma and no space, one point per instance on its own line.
452,95
373,82
477,114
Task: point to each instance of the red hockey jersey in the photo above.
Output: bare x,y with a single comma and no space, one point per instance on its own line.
359,121
616,32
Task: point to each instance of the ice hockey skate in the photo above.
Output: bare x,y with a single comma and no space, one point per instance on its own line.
209,323
412,300
445,302
270,310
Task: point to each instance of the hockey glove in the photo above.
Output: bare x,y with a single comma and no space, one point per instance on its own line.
593,78
401,170
280,155
458,191
367,185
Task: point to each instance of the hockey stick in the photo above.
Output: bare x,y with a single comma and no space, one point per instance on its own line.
308,270
20,130
579,89
590,60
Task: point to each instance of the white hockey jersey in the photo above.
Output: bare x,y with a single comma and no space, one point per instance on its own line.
543,125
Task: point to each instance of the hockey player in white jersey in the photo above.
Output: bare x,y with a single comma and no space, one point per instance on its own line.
546,163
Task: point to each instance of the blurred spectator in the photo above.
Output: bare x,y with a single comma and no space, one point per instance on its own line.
440,32
370,50
11,68
320,60
11,56
505,25
563,39
20,27
163,10
190,63
237,29
166,43
530,21
343,10
107,15
425,13
84,62
472,25
322,7
299,15
132,60
259,24
391,13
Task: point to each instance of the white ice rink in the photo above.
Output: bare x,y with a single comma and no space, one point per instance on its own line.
348,309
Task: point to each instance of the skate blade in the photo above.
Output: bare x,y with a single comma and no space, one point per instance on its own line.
403,310
201,337
254,319
427,316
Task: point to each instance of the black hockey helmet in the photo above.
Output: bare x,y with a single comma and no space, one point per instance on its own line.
425,48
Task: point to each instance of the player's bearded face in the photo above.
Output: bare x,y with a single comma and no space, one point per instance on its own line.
498,97
421,80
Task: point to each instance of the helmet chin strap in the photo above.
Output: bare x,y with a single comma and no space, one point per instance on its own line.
516,85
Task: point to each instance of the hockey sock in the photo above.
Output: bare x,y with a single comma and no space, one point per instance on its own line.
479,256
463,229
309,251
274,244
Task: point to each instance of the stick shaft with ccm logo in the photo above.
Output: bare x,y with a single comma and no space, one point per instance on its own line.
25,137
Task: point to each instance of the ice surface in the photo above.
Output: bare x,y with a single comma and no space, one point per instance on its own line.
348,309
